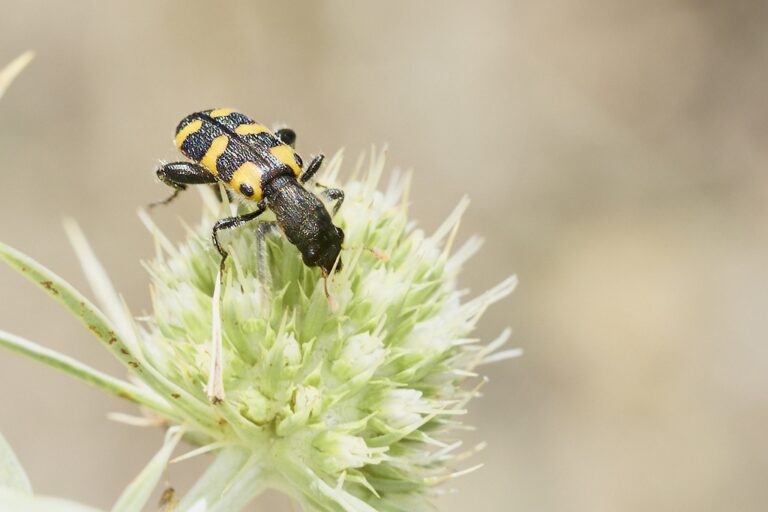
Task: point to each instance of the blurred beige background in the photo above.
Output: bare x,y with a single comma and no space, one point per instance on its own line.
615,154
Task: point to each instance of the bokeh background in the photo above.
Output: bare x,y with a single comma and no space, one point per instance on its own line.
615,154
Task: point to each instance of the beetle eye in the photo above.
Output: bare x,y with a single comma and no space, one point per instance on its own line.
340,233
311,254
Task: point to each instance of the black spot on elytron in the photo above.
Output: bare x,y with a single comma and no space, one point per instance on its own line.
246,189
299,162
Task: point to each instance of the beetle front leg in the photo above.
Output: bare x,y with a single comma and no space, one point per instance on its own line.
178,175
215,386
230,223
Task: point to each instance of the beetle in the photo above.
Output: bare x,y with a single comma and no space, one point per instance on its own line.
262,168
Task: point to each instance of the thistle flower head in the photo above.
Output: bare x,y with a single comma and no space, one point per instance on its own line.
343,406
362,396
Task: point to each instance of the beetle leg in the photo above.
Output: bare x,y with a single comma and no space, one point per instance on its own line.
178,175
230,223
312,168
333,194
286,136
263,230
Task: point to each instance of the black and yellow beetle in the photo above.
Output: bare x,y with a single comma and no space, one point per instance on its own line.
259,166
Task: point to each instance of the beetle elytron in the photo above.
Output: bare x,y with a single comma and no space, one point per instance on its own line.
261,167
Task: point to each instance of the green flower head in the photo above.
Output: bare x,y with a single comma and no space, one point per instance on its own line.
345,403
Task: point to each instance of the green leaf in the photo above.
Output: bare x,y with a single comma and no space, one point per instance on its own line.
81,371
12,475
61,291
96,322
138,492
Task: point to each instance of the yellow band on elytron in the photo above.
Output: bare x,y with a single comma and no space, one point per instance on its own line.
247,129
187,131
218,146
285,154
221,112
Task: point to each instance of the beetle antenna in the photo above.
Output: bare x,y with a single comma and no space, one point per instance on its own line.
376,252
331,301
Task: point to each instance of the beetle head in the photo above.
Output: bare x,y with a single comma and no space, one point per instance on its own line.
325,252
